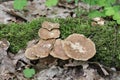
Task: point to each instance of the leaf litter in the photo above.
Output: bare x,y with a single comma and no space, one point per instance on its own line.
37,8
34,9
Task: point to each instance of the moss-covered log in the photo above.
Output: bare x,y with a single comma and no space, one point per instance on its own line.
106,38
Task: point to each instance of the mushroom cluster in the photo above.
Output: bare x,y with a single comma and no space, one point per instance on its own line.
75,46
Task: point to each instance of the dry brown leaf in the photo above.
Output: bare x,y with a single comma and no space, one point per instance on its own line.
20,60
16,14
7,66
32,43
100,68
3,53
6,77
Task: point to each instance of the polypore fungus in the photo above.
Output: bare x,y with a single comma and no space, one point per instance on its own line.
40,50
46,34
75,46
44,47
58,50
30,53
79,47
49,25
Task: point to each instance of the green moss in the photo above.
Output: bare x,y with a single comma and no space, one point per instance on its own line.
117,55
106,38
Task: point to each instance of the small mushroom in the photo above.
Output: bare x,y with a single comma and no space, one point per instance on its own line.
44,47
4,44
46,34
98,20
58,50
30,53
79,47
40,50
49,25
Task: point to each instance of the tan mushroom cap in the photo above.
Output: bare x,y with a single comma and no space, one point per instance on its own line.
45,34
4,44
30,53
49,25
58,51
44,47
79,47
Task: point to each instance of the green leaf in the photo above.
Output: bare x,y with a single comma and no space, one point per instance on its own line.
116,16
110,2
51,3
101,2
28,73
90,2
76,1
106,3
19,4
118,21
68,1
94,14
109,11
116,8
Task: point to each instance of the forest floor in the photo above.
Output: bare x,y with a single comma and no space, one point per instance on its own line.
13,65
